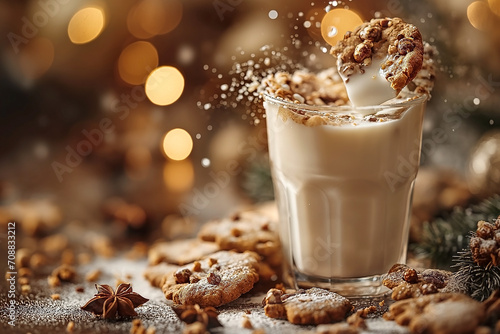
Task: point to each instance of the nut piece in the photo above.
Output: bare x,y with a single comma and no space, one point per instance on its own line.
392,49
182,276
214,279
410,275
347,70
235,232
363,50
384,23
196,266
405,45
211,262
64,273
371,33
194,279
273,297
347,34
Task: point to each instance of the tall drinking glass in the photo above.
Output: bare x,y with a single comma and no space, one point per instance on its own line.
343,185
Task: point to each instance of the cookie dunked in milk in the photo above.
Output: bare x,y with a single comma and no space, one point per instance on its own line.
378,59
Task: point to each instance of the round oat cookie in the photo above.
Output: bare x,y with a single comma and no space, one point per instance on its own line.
399,44
215,280
245,231
306,307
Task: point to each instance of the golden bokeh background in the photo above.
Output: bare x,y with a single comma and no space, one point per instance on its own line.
105,99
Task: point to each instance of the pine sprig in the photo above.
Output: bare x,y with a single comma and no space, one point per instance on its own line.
477,281
444,237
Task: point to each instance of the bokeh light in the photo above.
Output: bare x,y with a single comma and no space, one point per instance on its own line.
86,25
273,14
480,16
136,61
178,175
177,144
36,58
494,6
164,85
149,18
337,22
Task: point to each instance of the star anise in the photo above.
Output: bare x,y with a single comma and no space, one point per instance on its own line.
108,303
194,313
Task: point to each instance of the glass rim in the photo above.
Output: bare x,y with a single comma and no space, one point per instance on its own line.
413,99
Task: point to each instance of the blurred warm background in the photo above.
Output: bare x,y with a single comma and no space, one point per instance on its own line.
110,124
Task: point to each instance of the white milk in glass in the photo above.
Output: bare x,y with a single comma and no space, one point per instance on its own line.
344,189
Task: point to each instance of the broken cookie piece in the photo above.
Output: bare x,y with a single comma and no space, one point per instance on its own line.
306,307
378,59
444,313
407,282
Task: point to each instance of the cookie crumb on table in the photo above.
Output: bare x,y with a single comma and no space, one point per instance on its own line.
70,327
93,275
245,322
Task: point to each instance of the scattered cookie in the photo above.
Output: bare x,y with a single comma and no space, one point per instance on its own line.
214,281
180,252
306,307
444,313
407,282
357,319
189,314
399,44
245,322
93,276
245,231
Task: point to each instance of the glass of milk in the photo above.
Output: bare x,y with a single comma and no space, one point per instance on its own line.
343,179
